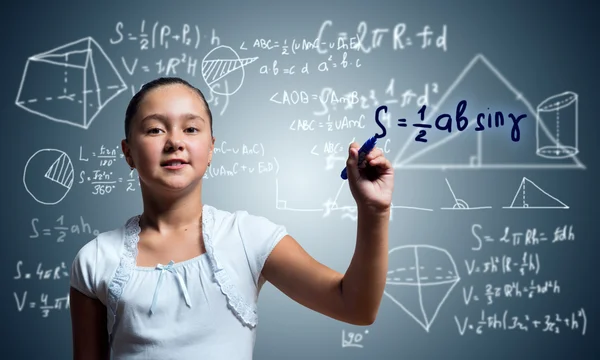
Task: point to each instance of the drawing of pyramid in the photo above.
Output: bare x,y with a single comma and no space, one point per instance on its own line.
420,279
531,196
486,91
221,62
69,84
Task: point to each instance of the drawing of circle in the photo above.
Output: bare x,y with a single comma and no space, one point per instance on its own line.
48,176
222,66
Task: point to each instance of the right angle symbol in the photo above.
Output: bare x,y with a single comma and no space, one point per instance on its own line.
420,279
531,196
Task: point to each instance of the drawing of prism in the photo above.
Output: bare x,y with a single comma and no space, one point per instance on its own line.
70,84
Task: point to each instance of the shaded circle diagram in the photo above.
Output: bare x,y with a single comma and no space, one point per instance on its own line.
48,176
223,70
419,280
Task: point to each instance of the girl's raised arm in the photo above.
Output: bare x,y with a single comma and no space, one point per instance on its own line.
355,296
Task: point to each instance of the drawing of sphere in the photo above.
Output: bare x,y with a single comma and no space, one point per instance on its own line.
223,70
419,280
48,176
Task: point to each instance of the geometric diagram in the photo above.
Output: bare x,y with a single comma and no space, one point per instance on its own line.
552,110
70,84
219,63
533,197
460,204
421,280
474,160
48,176
332,205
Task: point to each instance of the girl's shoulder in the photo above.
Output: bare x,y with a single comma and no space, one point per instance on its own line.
98,259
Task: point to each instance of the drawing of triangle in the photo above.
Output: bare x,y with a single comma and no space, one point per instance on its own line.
103,80
72,54
531,196
407,298
61,171
486,91
433,297
343,201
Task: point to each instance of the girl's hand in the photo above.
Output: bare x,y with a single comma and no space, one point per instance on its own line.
371,183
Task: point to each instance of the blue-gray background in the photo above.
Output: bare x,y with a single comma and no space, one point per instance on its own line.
535,49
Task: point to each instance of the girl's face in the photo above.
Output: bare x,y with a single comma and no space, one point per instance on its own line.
171,125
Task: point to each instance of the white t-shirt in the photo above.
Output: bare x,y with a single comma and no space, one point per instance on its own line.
204,307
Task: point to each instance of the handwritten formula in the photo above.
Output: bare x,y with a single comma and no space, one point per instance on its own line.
156,35
444,122
61,229
554,323
515,277
45,304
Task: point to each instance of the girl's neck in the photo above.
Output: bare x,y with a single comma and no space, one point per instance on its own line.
165,214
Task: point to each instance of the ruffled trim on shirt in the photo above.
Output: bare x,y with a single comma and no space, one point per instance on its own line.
245,312
126,265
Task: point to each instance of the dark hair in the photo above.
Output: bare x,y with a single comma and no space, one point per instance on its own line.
135,100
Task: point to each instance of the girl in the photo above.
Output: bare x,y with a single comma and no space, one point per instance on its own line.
181,280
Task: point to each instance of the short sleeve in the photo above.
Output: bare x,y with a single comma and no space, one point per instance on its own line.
83,269
259,235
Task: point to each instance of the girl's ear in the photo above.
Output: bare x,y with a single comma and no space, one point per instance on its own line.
127,153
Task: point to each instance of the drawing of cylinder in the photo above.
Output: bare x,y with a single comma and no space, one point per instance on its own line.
557,126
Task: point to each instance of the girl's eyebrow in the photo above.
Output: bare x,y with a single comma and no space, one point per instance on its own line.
153,116
163,118
192,116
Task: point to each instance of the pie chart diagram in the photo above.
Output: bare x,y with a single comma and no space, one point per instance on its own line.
223,66
48,176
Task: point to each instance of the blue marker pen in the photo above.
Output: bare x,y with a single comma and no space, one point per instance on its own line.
362,152
370,143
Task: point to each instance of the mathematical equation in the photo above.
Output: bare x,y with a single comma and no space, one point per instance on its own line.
61,230
59,303
333,148
160,36
529,237
343,123
104,182
275,68
512,290
260,167
400,39
444,121
171,66
352,339
549,323
328,97
244,149
505,265
41,273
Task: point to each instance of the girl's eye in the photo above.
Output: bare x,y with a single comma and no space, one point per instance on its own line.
192,129
154,131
